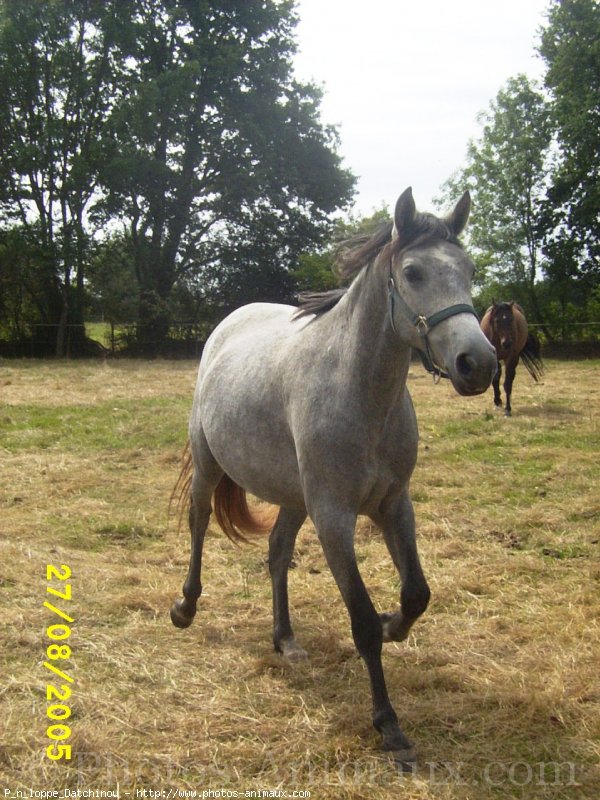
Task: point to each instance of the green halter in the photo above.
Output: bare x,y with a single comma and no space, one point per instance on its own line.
424,324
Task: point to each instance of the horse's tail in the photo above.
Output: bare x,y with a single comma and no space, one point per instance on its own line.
229,504
234,515
532,358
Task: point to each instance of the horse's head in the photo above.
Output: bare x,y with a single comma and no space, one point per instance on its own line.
502,322
430,295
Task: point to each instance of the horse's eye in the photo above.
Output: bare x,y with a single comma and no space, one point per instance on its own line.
413,274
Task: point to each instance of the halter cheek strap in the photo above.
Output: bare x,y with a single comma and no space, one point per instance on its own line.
424,324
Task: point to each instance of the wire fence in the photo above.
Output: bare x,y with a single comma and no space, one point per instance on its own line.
103,339
183,338
186,340
570,331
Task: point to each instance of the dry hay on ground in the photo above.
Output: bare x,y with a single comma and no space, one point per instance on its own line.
497,684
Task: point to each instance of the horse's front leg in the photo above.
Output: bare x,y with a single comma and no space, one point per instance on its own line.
511,368
397,520
336,533
496,384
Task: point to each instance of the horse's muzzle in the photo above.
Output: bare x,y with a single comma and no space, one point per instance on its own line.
472,372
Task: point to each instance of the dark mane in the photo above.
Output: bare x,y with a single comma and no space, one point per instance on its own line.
505,305
358,252
318,302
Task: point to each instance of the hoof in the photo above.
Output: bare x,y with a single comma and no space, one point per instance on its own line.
386,618
178,616
401,752
292,651
508,413
405,761
394,627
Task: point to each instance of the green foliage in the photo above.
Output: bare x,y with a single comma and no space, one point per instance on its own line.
180,121
158,160
112,280
533,174
506,172
216,156
315,271
570,46
55,84
26,284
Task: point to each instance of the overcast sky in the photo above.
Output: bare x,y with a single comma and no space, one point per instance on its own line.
404,81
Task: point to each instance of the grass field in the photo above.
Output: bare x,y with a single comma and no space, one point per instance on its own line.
498,684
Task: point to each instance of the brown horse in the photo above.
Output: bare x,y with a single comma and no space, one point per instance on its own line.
505,326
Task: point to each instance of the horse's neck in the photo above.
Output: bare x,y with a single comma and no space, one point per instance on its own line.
377,360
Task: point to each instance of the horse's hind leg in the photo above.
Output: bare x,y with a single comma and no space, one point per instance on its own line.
397,520
281,549
205,477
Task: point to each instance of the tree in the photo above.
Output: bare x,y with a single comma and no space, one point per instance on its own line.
56,80
111,281
507,172
181,118
316,270
27,292
215,155
570,46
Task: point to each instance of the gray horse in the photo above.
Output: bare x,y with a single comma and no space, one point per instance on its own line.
308,410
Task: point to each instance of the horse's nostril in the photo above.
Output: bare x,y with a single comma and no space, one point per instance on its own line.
465,365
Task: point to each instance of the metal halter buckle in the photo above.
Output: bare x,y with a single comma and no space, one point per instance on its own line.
422,325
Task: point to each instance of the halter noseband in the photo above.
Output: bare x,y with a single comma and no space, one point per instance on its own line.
424,324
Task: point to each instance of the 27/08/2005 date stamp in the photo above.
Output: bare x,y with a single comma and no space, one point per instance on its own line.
58,653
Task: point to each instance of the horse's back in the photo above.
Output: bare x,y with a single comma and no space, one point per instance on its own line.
521,326
248,325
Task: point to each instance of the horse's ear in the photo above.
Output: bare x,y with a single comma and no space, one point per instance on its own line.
404,214
457,220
